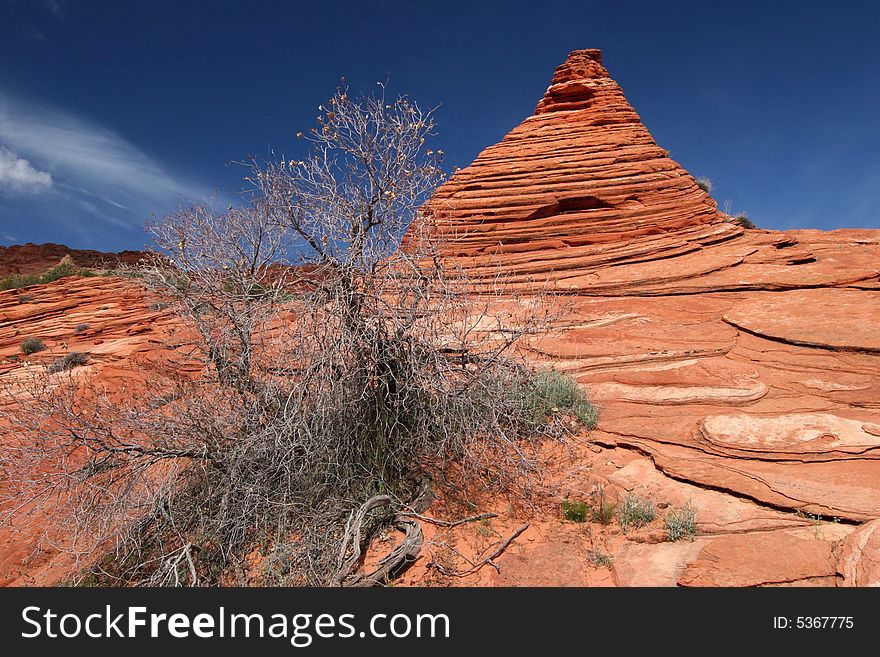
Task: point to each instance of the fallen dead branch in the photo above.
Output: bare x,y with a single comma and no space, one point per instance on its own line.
488,560
352,537
398,560
447,523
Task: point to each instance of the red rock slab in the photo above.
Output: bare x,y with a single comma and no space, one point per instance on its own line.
801,433
660,275
642,564
665,374
765,266
763,559
831,319
692,260
848,489
805,378
613,334
745,391
55,309
715,512
859,556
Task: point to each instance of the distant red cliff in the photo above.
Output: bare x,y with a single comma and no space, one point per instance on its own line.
36,258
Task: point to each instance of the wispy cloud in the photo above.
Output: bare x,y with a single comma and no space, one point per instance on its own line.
88,173
18,175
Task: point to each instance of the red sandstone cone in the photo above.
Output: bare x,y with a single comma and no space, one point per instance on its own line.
578,178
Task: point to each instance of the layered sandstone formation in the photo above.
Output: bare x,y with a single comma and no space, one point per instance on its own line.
737,371
36,258
576,188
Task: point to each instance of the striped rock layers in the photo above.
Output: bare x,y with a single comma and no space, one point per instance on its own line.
578,185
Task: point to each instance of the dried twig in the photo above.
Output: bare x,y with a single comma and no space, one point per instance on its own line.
487,560
449,523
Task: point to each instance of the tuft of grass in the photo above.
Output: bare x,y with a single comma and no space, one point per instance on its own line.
68,362
815,519
705,184
598,558
80,328
32,346
554,392
25,298
743,220
681,523
635,512
603,510
575,511
603,513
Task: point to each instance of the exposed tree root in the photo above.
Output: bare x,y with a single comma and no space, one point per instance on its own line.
354,541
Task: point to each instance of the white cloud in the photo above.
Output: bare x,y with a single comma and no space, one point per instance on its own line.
84,152
89,167
19,175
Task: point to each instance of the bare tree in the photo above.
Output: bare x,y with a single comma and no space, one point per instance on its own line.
320,378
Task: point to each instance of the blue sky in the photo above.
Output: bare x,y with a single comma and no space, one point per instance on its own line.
113,111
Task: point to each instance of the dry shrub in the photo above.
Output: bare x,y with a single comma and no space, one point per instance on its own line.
318,366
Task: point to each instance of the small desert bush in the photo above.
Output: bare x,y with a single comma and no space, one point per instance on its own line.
743,220
68,362
598,558
681,523
634,512
553,392
574,511
62,269
603,510
80,328
25,298
705,184
603,513
32,346
16,281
